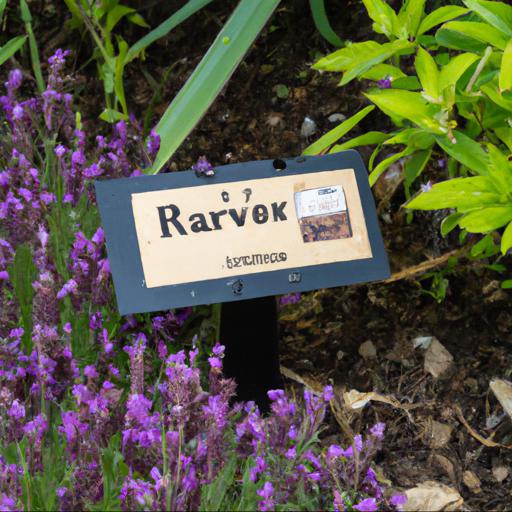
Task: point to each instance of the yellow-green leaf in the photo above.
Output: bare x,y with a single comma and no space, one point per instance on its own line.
457,66
386,50
410,16
428,74
466,151
332,136
382,166
506,239
497,14
346,57
505,81
367,139
383,15
381,71
450,222
408,105
446,13
480,31
486,219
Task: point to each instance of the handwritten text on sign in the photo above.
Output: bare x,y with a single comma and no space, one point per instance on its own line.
230,229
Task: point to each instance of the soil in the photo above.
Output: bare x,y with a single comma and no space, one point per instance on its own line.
429,427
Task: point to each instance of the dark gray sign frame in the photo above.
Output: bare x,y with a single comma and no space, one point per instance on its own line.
114,201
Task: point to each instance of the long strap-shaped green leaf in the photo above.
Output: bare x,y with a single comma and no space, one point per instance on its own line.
11,47
322,22
210,75
191,7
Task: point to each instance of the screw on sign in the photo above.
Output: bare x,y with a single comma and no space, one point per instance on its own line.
240,235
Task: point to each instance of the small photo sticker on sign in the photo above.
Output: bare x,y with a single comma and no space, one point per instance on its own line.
323,214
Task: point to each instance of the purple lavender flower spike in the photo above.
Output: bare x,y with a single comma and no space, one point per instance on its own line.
203,167
17,410
367,505
14,81
398,501
68,288
266,492
291,298
378,430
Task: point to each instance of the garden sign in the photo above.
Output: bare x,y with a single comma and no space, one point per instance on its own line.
250,230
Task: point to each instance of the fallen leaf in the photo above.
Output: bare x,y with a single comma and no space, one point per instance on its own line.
472,482
447,466
437,359
367,350
438,434
502,389
432,496
306,324
306,381
357,400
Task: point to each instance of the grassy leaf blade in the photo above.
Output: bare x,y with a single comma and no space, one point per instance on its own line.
190,8
367,139
11,47
322,22
332,136
22,273
210,76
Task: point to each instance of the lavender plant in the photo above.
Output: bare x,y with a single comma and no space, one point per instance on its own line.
101,412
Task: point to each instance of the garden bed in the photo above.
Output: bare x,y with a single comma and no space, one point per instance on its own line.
449,429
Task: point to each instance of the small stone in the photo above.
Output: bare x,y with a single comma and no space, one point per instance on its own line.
500,473
367,350
308,127
274,120
333,118
422,342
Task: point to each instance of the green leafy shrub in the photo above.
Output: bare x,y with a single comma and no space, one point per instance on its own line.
444,79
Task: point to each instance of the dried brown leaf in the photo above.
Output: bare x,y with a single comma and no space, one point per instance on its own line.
437,359
502,389
432,496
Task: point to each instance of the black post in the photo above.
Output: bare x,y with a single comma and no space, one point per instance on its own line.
249,331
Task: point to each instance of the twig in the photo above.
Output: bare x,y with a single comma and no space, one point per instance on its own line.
485,441
422,267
